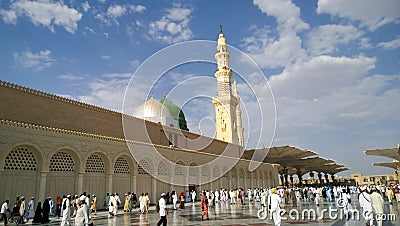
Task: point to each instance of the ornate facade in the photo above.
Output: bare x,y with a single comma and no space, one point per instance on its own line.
51,145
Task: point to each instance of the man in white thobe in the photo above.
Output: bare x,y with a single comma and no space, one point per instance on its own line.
273,204
112,206
377,205
193,196
163,211
365,202
66,211
232,196
389,194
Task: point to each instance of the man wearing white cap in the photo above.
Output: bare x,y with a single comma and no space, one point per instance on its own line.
365,202
377,205
66,210
162,211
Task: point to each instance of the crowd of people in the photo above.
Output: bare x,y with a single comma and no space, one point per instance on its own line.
80,207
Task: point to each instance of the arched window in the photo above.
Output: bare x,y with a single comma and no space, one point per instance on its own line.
193,170
216,172
143,167
178,170
162,169
205,171
94,164
62,162
122,166
20,158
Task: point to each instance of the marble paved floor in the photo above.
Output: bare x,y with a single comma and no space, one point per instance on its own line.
237,214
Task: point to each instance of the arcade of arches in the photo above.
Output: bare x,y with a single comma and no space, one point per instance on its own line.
44,161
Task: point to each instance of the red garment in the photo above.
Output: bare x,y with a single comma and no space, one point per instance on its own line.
204,206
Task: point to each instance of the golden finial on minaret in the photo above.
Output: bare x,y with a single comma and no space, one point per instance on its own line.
165,95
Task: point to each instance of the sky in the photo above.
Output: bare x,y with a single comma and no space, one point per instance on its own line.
330,68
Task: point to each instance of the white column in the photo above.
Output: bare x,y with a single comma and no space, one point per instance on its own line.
154,194
134,183
109,183
79,184
42,185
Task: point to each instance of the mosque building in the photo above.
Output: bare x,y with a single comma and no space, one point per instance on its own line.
51,145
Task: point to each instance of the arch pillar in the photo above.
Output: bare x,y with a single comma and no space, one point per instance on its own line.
109,182
153,190
230,179
244,182
79,184
42,185
134,183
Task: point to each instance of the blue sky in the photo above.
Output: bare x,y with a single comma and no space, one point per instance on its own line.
333,66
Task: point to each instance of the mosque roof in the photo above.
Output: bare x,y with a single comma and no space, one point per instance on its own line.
176,113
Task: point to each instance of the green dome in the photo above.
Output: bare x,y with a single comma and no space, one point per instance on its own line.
176,113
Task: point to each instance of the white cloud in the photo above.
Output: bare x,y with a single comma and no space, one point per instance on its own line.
365,43
86,6
286,13
325,39
9,16
46,13
369,13
71,77
394,44
104,57
320,76
173,27
270,52
135,63
88,30
109,92
286,49
36,61
116,11
137,8
330,95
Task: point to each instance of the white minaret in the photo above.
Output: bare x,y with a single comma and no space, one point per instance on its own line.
240,129
225,103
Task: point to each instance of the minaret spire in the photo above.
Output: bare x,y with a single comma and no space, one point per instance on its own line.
220,29
235,86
